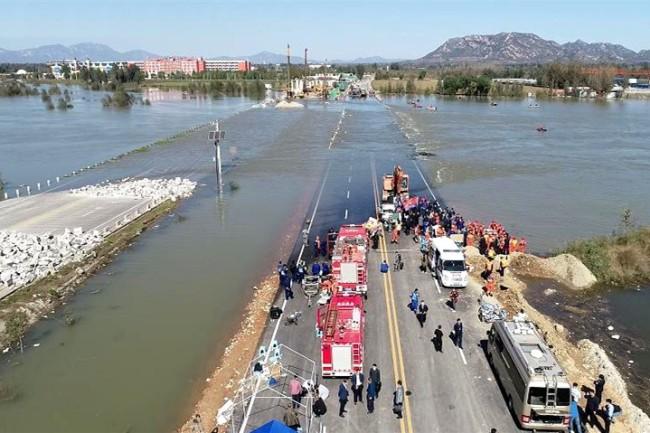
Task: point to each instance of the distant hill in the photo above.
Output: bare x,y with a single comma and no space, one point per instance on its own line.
365,60
522,48
47,53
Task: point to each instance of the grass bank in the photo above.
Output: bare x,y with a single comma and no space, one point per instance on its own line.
622,258
398,87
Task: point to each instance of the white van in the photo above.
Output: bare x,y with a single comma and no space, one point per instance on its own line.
448,263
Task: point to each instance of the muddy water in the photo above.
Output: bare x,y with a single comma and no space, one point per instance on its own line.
152,324
37,144
588,315
570,182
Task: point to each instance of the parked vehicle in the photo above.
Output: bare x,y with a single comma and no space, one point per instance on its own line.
447,262
535,386
350,259
341,323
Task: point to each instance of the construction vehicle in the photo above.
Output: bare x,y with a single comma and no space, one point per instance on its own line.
341,323
350,260
536,388
395,185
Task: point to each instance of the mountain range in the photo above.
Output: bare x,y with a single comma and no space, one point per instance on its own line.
528,48
100,52
501,48
47,53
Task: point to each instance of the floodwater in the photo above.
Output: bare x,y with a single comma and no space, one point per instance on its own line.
152,324
37,144
570,182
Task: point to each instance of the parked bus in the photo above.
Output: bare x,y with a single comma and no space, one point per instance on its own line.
535,386
447,263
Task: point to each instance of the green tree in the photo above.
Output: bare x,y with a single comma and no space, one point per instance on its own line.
65,70
410,87
16,326
422,74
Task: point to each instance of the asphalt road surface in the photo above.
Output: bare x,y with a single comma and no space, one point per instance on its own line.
453,391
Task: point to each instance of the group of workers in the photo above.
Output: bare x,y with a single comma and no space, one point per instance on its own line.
592,409
493,240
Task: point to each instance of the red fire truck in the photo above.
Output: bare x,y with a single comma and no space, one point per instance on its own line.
341,323
350,260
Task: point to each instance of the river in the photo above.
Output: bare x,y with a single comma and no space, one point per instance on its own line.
572,181
152,324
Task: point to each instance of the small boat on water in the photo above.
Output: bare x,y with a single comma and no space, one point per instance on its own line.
493,104
541,129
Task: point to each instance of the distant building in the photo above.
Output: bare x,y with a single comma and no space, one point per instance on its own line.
228,65
170,65
76,65
524,81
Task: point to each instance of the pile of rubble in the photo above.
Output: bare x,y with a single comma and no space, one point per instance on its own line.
156,189
25,258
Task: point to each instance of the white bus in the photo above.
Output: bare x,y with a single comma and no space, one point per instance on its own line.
535,386
447,263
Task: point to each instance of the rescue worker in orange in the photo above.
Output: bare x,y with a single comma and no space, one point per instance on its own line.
490,286
453,298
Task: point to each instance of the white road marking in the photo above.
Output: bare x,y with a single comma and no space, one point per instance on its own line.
349,179
462,355
348,194
424,180
435,281
346,214
284,305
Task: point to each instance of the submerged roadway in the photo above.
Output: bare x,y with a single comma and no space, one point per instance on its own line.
453,391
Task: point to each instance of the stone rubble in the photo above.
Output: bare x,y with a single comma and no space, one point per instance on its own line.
25,258
156,189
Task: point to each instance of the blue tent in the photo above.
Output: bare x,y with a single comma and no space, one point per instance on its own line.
274,426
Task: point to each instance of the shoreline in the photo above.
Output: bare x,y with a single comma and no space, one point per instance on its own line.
582,361
231,364
45,295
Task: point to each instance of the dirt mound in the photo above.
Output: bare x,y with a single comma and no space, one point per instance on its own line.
564,267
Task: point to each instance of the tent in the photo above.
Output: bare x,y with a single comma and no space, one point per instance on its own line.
274,426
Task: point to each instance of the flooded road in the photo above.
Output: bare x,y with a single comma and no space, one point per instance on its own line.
37,144
152,324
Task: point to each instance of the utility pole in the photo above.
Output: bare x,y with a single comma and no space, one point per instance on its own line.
216,136
306,66
289,70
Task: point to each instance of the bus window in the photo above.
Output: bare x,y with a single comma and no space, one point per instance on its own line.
537,396
563,397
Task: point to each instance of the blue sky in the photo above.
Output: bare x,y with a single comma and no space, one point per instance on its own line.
330,29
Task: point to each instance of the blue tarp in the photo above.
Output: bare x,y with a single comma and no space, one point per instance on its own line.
274,426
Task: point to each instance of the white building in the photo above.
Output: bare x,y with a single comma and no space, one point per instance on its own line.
76,65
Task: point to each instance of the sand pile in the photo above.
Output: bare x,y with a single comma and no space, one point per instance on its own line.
287,104
565,267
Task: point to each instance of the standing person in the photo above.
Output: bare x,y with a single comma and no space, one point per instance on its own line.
437,339
383,267
398,399
291,419
398,264
357,386
591,408
599,386
415,300
453,298
574,413
608,414
295,388
575,392
422,313
375,376
317,247
458,333
371,395
343,397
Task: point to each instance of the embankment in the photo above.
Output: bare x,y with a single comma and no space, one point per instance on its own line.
231,365
582,361
41,297
618,259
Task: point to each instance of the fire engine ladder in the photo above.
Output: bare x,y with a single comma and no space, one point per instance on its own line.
551,390
356,353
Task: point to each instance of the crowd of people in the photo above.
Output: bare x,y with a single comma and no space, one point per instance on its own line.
593,408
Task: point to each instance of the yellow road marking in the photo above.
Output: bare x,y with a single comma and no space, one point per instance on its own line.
393,328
